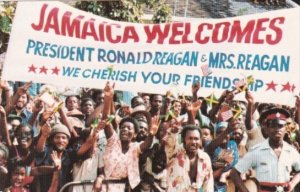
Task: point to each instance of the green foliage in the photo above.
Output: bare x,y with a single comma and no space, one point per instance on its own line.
7,10
127,10
162,13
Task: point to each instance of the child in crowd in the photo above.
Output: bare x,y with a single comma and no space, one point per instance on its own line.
17,180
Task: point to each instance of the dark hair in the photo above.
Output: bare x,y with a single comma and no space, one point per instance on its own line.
86,99
154,95
211,130
23,125
96,93
135,98
187,128
68,97
131,120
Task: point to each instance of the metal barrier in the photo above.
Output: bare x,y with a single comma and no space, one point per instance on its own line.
74,183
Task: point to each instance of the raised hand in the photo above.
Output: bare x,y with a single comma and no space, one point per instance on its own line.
38,106
109,90
23,89
46,129
155,122
56,160
175,125
4,85
249,97
195,106
2,111
195,87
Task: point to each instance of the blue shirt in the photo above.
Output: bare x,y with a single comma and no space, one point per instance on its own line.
68,159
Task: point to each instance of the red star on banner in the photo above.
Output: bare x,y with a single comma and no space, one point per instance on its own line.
293,88
32,68
43,70
287,87
55,70
272,86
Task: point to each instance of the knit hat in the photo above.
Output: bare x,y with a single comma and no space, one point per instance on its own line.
60,128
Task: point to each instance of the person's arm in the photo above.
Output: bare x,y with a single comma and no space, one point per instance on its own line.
213,112
192,109
294,181
108,99
155,121
37,108
65,121
171,141
6,90
92,138
249,111
237,180
95,114
195,89
42,170
218,140
3,124
56,175
45,132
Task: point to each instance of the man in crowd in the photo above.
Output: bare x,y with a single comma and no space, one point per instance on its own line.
189,168
274,160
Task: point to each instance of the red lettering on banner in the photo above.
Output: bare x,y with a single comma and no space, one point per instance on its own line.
89,30
220,28
68,28
259,28
155,30
276,29
255,31
198,36
130,33
237,34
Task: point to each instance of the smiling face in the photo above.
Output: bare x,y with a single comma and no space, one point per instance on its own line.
177,108
18,176
60,141
192,141
127,131
24,136
22,101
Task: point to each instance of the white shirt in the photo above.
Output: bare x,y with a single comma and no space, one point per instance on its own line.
268,167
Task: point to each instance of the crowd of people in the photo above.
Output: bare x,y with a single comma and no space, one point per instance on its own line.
156,143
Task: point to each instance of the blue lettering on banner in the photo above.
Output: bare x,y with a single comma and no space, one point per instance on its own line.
249,62
219,82
104,74
71,53
160,78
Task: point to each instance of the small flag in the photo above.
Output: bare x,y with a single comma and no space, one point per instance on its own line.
95,123
226,113
211,100
206,71
241,85
110,119
250,80
237,111
110,70
169,113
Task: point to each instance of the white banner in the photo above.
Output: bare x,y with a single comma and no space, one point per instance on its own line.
54,43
